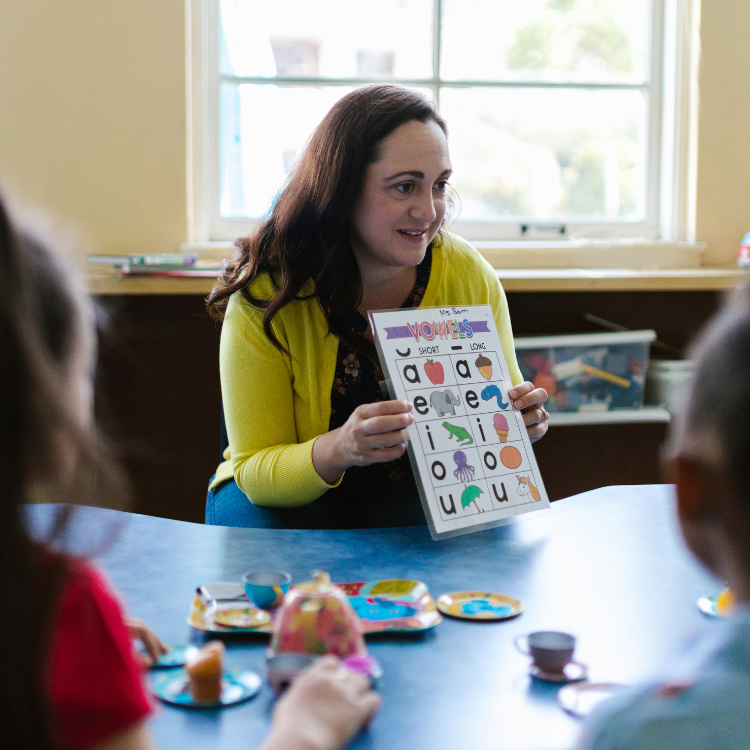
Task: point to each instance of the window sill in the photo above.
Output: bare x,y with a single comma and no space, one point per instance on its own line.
513,280
598,254
574,266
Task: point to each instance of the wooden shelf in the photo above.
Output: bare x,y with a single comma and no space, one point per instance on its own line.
113,284
620,416
513,280
618,279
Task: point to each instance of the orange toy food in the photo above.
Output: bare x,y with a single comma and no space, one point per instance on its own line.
205,670
484,365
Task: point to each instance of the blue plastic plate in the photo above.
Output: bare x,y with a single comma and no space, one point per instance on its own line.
236,687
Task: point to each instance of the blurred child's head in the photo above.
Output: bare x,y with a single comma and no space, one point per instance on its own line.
709,447
46,360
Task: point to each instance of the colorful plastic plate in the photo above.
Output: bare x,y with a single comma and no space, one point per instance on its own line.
709,605
582,698
238,687
393,606
478,605
176,656
241,617
717,605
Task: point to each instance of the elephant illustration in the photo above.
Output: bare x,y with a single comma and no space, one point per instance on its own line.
444,402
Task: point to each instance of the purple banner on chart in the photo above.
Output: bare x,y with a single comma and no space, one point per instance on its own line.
404,332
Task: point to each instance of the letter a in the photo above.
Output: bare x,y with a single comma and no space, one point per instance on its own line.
465,372
414,370
452,508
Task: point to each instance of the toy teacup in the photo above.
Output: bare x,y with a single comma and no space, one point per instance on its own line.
266,588
551,652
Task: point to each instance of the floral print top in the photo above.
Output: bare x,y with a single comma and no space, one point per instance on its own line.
355,382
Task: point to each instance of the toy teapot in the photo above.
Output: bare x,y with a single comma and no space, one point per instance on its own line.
316,618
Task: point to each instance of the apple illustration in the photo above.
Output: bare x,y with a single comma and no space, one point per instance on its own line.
434,371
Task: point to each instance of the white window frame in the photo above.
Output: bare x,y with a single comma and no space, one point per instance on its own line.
670,94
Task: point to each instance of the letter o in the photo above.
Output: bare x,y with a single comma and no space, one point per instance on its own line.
429,336
437,466
487,462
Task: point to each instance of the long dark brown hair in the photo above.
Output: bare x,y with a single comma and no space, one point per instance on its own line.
306,235
44,318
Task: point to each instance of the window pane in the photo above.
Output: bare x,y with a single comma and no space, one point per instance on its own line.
545,40
263,130
547,153
380,39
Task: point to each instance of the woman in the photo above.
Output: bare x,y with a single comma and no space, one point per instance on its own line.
69,677
358,227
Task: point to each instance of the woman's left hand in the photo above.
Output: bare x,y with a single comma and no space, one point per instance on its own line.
529,400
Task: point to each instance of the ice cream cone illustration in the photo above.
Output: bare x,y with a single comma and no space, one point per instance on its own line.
501,427
484,366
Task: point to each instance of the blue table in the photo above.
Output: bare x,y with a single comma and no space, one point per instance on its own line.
607,565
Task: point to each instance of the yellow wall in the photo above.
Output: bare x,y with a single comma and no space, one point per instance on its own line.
93,128
92,117
723,190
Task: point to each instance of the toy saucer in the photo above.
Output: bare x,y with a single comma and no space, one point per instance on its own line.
241,617
582,698
175,656
478,605
574,672
236,687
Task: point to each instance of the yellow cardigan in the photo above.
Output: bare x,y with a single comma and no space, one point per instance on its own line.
276,406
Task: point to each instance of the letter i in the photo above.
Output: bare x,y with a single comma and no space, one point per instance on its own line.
429,436
481,431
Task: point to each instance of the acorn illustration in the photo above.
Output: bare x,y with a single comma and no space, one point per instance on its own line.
484,366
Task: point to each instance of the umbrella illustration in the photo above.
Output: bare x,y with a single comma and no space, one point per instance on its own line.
470,495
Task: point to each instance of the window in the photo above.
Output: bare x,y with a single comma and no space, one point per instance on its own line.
553,106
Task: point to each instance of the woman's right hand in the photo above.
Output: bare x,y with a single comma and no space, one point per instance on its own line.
372,434
324,708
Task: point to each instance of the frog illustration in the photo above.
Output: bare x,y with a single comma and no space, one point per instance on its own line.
455,431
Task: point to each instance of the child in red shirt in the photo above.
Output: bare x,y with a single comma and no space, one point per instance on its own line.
70,679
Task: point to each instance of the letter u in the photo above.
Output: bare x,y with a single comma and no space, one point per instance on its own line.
504,498
452,508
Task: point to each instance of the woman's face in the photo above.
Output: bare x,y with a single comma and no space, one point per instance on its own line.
403,198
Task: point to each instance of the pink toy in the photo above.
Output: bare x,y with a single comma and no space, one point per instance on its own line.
316,618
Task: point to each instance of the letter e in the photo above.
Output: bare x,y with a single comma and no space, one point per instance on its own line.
420,404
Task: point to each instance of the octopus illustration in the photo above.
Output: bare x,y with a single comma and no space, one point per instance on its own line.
464,473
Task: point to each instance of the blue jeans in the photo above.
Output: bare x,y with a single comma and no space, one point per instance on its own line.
338,508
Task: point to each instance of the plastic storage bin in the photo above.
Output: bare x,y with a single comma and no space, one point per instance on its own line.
589,371
668,382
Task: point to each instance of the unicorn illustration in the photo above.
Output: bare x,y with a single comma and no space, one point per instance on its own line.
525,487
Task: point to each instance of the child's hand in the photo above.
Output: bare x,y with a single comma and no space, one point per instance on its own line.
324,708
529,400
142,632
